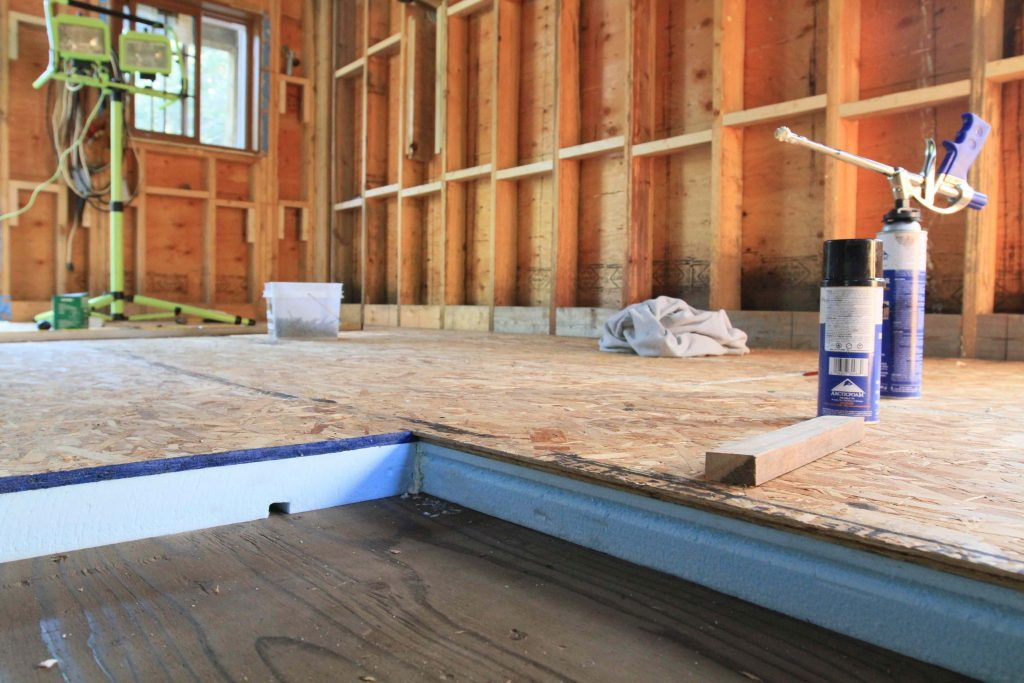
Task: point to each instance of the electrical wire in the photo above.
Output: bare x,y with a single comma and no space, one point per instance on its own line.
79,174
60,163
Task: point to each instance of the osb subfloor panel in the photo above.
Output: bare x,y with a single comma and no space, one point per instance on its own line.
938,481
398,590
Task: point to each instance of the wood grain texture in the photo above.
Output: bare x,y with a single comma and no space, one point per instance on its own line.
758,459
937,481
397,591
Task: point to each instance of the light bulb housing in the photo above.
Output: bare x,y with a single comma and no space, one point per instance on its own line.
82,38
145,53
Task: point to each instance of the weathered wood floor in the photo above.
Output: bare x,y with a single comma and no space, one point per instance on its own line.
397,590
938,481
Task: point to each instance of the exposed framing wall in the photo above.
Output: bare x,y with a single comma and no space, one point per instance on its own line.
593,153
216,223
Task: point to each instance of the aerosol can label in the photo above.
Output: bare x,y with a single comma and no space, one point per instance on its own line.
904,263
849,358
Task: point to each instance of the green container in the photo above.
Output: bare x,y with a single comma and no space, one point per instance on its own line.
70,311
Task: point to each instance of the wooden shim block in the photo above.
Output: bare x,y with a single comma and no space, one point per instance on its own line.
761,458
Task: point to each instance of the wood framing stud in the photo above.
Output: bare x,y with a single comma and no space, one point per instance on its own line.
565,256
726,155
982,226
843,73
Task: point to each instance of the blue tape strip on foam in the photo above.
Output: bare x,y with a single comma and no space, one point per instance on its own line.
31,482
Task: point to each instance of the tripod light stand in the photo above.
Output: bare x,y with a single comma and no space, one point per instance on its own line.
81,55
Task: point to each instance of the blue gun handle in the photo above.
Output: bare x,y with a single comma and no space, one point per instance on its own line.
962,152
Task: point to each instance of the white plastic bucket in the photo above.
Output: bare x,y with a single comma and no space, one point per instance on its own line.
303,310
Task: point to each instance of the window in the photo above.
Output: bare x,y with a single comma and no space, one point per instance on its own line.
220,49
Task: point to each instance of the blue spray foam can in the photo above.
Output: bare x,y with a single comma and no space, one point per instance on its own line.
904,265
850,330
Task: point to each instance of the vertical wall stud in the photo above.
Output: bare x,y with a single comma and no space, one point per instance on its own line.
727,155
567,172
646,17
505,146
843,69
980,243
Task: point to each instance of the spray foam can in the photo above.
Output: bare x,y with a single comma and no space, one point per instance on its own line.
904,262
849,345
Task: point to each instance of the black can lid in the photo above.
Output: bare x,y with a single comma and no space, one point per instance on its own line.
852,263
902,214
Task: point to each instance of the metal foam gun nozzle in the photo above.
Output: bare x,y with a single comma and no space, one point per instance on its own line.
951,181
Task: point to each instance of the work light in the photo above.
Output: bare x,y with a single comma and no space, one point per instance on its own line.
82,38
145,53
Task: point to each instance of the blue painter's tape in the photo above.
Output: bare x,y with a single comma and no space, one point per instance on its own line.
47,480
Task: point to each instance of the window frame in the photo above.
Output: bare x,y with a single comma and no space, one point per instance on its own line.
198,11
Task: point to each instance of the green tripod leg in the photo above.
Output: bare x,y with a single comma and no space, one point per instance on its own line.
206,313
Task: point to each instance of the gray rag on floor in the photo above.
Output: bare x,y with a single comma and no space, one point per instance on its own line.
671,327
